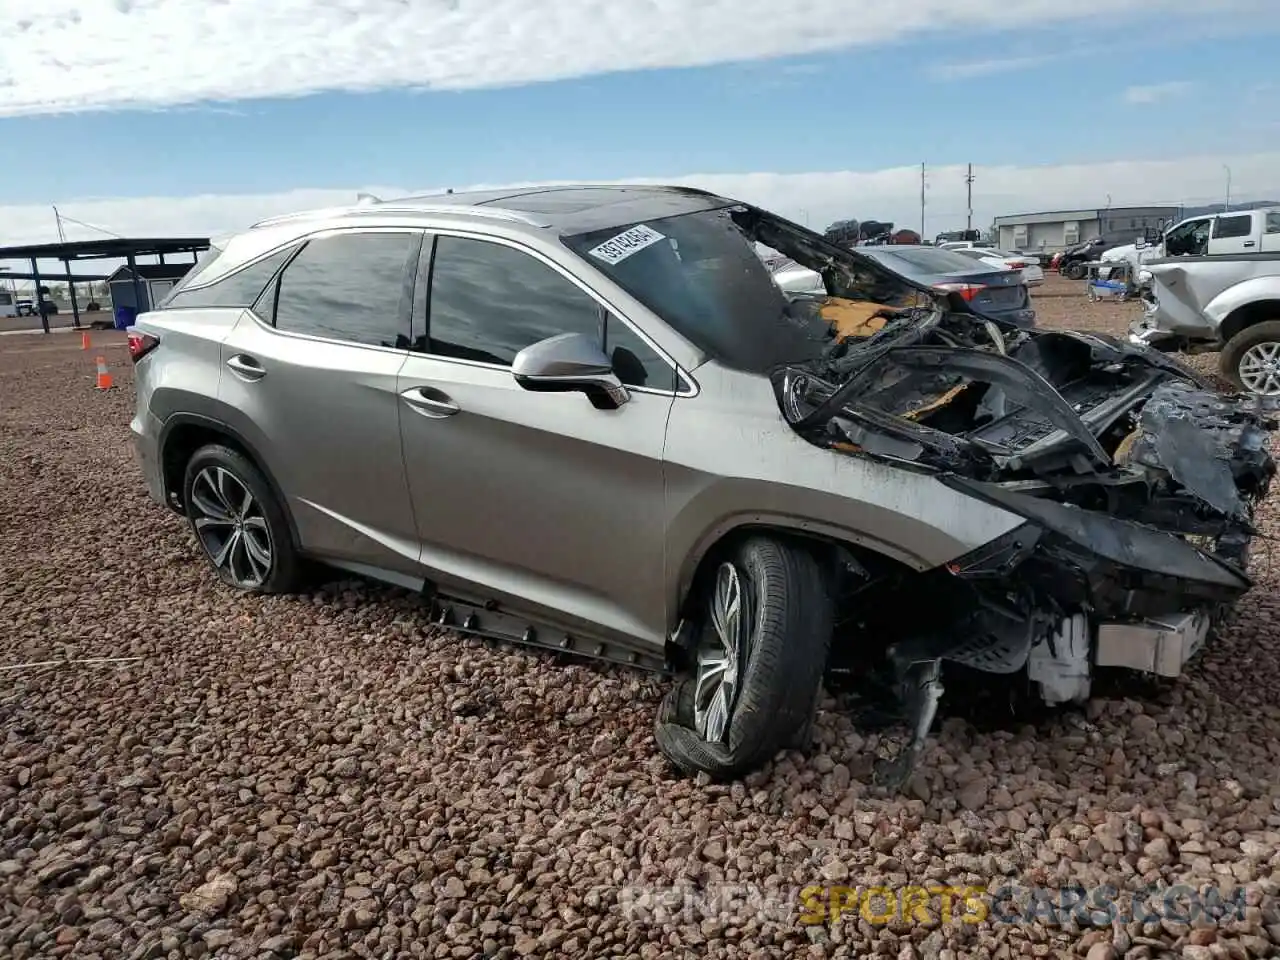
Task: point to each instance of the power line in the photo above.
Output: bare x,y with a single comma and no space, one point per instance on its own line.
81,223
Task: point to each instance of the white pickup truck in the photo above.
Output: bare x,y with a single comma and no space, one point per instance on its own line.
1212,235
1224,302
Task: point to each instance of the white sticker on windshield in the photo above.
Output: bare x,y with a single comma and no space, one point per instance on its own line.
626,243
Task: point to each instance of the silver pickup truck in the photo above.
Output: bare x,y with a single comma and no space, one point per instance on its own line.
1230,304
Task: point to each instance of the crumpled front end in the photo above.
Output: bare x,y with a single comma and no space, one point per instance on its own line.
1137,480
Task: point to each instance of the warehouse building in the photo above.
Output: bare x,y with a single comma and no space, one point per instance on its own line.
1058,229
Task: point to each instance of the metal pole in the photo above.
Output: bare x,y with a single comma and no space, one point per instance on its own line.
71,289
44,317
137,284
969,190
1227,206
922,203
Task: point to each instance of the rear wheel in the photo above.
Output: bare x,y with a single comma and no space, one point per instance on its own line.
1251,359
239,523
1074,270
758,660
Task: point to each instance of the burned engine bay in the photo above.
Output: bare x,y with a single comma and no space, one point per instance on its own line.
1136,478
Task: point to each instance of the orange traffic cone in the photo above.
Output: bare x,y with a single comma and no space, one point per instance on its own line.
104,375
84,341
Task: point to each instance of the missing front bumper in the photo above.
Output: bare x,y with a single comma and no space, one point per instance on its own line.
1160,646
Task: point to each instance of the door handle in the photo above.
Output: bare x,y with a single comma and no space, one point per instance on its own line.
1250,243
245,367
430,402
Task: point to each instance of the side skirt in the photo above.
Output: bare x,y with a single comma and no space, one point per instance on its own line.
486,620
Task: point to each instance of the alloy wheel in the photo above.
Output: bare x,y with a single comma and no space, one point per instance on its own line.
722,655
1259,368
231,526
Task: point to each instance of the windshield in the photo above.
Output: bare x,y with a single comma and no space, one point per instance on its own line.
703,274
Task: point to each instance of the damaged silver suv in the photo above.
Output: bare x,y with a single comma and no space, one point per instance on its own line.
586,419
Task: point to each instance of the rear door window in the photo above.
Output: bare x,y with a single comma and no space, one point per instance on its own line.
238,289
1237,226
352,287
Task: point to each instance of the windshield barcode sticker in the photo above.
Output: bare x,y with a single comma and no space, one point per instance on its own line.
631,241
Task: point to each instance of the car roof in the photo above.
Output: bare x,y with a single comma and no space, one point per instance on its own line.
568,209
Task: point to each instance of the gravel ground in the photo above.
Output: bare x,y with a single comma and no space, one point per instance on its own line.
332,776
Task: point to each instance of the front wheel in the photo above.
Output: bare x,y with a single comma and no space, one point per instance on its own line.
758,660
1074,270
1251,359
239,523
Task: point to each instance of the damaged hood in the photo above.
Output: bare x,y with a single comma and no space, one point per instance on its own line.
1078,419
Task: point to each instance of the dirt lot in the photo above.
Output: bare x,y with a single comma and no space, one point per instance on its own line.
332,776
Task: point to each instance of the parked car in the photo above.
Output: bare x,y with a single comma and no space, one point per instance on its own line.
8,307
26,308
1229,303
990,291
1072,262
587,419
966,245
1031,256
1032,274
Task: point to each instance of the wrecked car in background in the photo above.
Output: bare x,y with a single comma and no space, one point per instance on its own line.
599,427
1225,302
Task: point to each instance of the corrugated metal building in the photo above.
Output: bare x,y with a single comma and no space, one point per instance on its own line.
1057,229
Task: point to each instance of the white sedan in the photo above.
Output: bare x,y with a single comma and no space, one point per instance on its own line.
1032,272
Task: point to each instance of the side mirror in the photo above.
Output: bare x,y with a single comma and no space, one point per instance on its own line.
570,361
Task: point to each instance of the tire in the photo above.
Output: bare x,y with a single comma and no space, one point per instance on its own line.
786,634
263,524
1249,347
1074,270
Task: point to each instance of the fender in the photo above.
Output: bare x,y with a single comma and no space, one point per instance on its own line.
220,425
1242,295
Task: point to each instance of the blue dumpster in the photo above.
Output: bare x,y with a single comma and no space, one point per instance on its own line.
125,316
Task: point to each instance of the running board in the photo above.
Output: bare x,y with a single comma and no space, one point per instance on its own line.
488,623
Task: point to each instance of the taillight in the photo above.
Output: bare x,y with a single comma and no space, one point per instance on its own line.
140,344
1015,264
967,291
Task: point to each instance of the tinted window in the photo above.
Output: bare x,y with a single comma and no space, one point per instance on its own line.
1233,226
238,289
350,286
634,361
1273,222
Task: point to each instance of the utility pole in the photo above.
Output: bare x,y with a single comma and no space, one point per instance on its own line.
922,202
62,237
968,179
1227,206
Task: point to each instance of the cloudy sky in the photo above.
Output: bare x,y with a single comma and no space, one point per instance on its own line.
200,116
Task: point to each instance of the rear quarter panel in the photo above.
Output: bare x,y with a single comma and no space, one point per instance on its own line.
182,375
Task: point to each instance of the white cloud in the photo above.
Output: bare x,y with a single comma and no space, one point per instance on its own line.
1157,92
63,55
816,198
964,69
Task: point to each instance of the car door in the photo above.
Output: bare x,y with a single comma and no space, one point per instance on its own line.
535,500
312,369
1270,231
1233,233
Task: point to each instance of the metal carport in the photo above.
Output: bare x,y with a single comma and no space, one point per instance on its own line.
117,248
